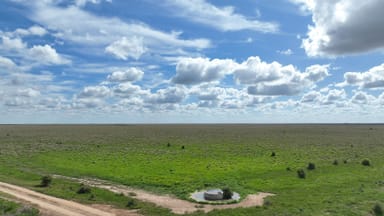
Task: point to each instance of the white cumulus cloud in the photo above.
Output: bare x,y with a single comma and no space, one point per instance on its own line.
171,95
46,55
275,79
100,32
95,92
260,77
373,78
343,27
362,98
12,44
6,63
33,30
191,71
128,90
329,97
129,75
133,47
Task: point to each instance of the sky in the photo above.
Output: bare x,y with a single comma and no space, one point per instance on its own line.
191,61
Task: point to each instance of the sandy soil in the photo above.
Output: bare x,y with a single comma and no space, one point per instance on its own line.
49,205
176,205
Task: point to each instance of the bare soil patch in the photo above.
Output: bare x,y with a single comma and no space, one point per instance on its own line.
49,205
176,205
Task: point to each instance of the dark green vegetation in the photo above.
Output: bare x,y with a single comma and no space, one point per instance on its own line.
207,156
45,181
227,193
366,162
311,166
301,173
84,189
14,209
378,210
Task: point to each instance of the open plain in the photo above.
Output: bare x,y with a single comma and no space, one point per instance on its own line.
177,160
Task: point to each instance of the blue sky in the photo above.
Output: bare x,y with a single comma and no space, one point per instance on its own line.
195,61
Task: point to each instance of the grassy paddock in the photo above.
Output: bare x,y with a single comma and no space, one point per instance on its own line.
237,156
15,209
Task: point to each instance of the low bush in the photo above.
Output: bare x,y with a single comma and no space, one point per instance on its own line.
366,162
132,204
378,210
8,208
227,193
301,173
311,166
45,181
84,189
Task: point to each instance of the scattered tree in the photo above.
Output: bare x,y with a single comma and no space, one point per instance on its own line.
273,154
227,193
378,210
366,162
45,181
132,204
84,189
267,203
169,145
182,147
335,162
301,173
311,166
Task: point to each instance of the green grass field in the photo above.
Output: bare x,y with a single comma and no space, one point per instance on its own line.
237,156
14,209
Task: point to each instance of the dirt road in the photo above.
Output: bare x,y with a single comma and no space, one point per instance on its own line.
59,207
49,205
176,205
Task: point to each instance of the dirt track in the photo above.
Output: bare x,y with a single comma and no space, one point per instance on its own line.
49,205
176,205
59,207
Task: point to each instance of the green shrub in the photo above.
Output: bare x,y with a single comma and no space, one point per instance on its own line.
84,189
132,204
335,162
273,154
11,208
378,210
366,162
227,193
45,181
91,197
301,173
311,166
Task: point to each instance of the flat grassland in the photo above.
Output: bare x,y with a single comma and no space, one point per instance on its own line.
180,159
